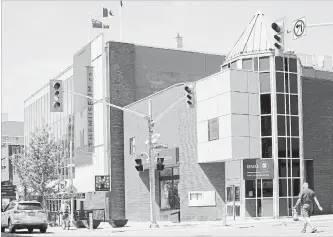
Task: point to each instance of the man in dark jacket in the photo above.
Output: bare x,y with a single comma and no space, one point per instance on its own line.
307,198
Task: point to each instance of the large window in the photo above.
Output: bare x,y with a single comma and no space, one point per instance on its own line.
213,129
169,186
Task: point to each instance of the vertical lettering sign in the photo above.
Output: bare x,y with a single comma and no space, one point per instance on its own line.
90,110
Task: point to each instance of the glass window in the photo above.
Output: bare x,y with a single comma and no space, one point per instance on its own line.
296,187
286,64
169,194
287,104
259,187
294,104
230,194
247,64
250,189
264,64
293,83
255,63
266,126
288,125
294,126
281,123
265,85
282,168
296,168
266,147
279,63
279,82
267,187
283,187
295,147
282,147
237,193
283,207
288,147
213,129
286,78
280,103
293,65
265,104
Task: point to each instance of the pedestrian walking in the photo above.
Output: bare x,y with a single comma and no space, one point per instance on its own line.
307,198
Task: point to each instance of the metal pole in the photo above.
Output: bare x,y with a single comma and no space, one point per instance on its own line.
320,24
153,223
71,176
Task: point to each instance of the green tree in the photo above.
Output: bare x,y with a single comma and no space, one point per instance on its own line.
38,165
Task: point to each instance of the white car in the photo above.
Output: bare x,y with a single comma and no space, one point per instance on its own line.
23,215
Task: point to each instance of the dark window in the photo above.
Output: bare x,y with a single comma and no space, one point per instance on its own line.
264,64
247,64
279,82
296,183
266,126
296,168
283,206
281,123
213,129
289,167
287,104
288,125
282,147
294,126
283,187
294,104
259,187
280,103
250,188
286,64
289,188
293,65
293,83
286,78
288,147
279,63
265,85
282,168
255,63
295,147
265,104
266,147
267,189
132,145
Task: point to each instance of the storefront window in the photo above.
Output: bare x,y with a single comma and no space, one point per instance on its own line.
250,189
169,194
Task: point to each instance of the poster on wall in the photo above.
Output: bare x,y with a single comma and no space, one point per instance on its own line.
102,183
258,169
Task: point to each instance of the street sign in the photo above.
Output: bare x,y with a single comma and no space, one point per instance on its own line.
71,190
62,185
299,28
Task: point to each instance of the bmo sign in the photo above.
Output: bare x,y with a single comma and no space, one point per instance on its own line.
258,169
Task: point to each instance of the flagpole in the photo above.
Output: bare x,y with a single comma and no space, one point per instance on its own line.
102,19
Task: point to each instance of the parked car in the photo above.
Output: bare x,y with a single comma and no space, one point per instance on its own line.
23,215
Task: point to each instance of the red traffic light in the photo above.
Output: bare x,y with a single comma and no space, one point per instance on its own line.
276,27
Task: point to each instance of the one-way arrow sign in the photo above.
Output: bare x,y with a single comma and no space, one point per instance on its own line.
299,28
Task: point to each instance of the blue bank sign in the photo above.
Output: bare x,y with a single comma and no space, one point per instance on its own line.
258,169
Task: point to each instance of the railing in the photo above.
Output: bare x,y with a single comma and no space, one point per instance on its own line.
320,62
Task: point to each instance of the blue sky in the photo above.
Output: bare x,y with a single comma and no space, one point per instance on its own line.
39,38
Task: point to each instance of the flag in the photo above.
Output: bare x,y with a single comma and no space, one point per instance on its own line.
98,24
106,12
121,3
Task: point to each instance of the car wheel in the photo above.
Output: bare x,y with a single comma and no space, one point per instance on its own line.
30,230
2,229
10,227
42,230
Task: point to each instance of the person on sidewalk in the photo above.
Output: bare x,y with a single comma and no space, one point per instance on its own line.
307,198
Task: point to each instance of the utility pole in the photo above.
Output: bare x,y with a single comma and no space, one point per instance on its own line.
71,175
153,223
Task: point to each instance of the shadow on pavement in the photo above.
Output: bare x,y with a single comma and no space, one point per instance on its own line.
25,233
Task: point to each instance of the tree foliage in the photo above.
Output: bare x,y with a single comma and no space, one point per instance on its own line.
38,165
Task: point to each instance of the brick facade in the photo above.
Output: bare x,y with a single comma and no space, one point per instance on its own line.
318,133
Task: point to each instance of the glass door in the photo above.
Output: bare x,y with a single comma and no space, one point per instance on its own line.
233,201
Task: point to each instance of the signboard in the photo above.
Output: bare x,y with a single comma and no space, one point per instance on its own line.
171,157
258,169
102,183
90,112
71,190
8,190
299,28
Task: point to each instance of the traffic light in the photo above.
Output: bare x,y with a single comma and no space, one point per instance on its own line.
189,89
139,166
160,165
56,98
278,28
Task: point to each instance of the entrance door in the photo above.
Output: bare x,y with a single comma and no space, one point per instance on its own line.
233,201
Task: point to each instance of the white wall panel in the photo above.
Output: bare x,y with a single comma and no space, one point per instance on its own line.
240,125
254,122
254,147
253,82
212,107
201,111
98,124
224,104
239,103
254,104
96,47
206,88
202,131
240,147
225,126
238,81
98,78
223,82
203,152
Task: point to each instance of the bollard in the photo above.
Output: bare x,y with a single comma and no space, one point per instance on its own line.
91,221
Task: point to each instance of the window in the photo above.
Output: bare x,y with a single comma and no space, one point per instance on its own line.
282,148
213,129
132,145
264,64
169,194
279,82
282,168
294,126
286,64
256,64
267,187
266,126
250,189
281,124
293,65
265,85
247,64
295,147
294,104
279,63
293,83
265,104
286,79
280,103
266,147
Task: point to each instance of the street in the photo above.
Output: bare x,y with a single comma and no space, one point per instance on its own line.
325,228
